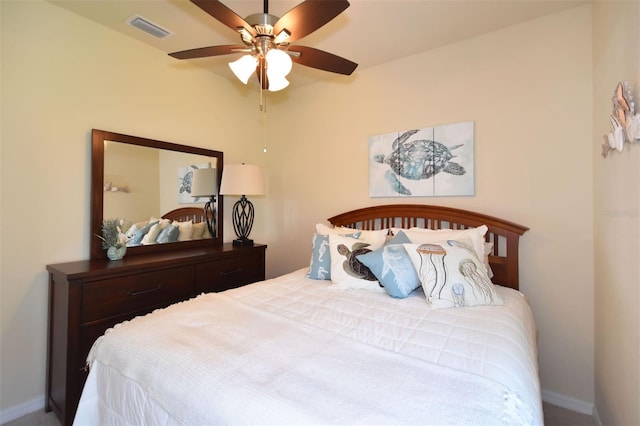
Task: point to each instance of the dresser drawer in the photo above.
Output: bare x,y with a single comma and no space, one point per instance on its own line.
229,273
89,333
129,293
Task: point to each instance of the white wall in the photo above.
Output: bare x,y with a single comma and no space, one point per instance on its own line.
528,90
616,41
63,75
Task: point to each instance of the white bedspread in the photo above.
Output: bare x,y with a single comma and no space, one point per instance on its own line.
295,351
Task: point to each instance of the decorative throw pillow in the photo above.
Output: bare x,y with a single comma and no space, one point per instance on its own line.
152,235
320,265
488,248
452,275
426,236
347,272
199,230
140,233
205,233
168,235
132,230
374,237
393,267
185,230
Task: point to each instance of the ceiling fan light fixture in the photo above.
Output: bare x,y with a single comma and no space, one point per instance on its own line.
278,63
282,37
246,36
276,82
244,67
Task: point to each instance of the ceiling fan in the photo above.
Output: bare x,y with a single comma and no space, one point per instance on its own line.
266,41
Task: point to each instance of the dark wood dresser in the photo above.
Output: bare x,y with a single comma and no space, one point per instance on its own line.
87,297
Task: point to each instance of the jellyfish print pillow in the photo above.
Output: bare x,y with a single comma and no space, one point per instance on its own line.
451,274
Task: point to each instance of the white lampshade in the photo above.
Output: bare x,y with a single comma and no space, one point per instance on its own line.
278,63
244,67
205,183
242,179
276,82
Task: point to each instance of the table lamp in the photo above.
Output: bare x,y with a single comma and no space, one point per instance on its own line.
242,179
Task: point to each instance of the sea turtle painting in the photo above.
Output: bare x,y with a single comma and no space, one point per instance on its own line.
352,265
186,180
417,159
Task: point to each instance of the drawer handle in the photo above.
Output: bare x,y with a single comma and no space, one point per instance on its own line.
139,292
234,271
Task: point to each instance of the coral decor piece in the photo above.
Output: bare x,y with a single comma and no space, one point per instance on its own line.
109,187
114,240
625,123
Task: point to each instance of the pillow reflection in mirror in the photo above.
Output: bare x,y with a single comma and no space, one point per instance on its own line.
152,235
139,234
168,235
186,230
200,231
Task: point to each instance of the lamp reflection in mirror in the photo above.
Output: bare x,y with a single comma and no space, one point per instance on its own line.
278,67
242,179
205,184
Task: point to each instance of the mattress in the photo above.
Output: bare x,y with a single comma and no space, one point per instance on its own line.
292,350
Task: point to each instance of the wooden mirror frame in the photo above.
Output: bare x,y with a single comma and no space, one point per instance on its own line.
98,137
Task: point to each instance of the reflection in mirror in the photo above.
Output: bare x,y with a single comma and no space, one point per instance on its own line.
147,182
205,184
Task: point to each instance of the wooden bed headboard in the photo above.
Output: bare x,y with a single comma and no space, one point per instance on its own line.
503,234
184,214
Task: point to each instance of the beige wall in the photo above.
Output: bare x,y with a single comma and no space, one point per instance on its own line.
136,168
528,90
62,76
616,41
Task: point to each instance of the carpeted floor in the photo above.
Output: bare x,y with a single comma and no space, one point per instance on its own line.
553,416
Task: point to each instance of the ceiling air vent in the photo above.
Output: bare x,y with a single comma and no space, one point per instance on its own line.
149,27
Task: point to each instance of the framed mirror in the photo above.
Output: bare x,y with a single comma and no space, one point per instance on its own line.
143,180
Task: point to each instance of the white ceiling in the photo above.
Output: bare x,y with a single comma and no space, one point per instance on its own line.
369,32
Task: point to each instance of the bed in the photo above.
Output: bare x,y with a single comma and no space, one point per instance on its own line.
298,349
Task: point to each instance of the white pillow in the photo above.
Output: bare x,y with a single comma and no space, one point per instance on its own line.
488,247
185,230
199,230
343,251
376,238
452,275
132,230
323,229
151,236
426,236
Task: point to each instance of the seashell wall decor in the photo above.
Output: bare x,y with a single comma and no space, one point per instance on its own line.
625,122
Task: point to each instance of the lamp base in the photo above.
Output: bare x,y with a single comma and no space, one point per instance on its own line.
243,242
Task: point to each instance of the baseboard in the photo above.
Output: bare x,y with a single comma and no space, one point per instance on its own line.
567,402
17,411
596,417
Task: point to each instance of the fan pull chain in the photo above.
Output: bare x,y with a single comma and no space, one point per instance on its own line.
264,131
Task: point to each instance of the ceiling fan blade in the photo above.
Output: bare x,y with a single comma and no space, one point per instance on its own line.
204,52
322,60
223,14
308,16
